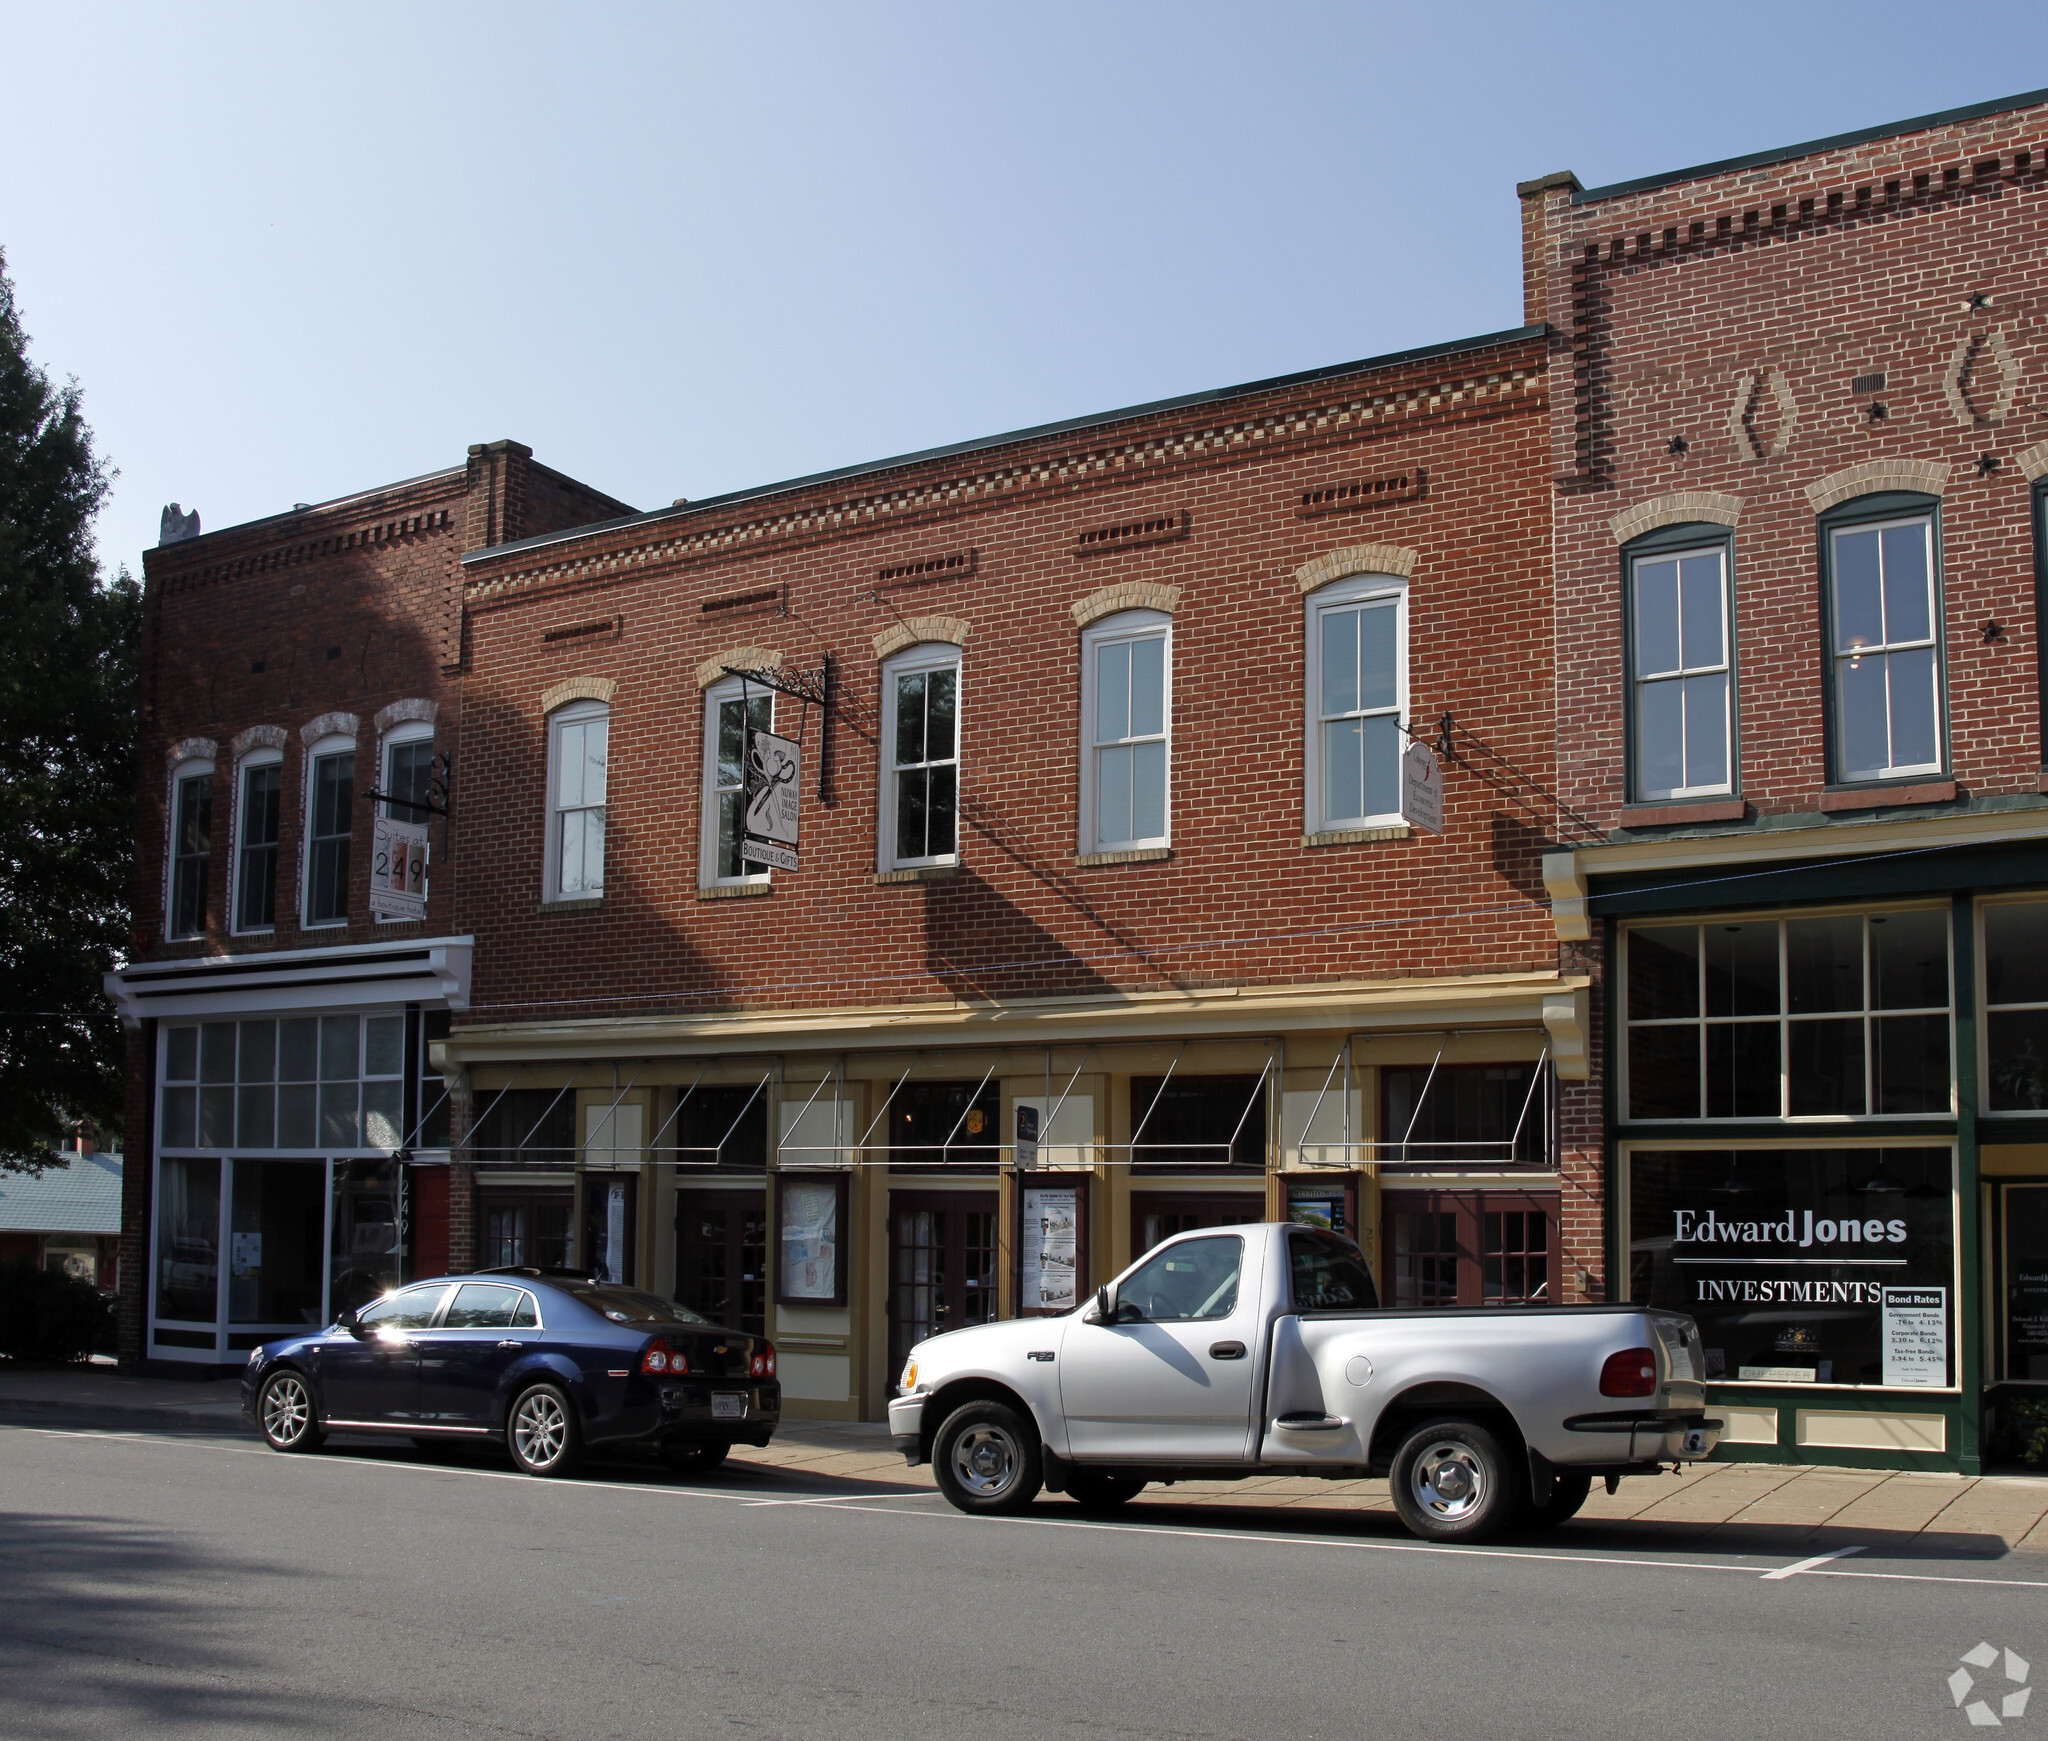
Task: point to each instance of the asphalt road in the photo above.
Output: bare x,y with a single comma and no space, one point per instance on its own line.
170,1587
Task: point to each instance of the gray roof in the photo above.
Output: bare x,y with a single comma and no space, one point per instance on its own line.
78,1194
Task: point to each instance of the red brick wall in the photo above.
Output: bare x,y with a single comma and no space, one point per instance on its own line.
1241,901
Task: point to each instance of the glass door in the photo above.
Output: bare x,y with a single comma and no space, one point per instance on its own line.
722,1257
1471,1248
942,1265
2026,1283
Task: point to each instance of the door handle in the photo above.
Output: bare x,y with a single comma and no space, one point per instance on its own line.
509,1344
1226,1350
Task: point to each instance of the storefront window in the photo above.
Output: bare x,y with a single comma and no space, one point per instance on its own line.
1831,1016
1802,1266
279,1215
952,1124
306,1082
2016,1006
1475,1115
188,1240
1197,1123
2026,1282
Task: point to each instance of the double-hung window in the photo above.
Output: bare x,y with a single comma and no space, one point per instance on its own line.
330,822
921,736
730,708
256,835
191,848
1681,693
1126,731
1884,653
1358,681
409,775
579,747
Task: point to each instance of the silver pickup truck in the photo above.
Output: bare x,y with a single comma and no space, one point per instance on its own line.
1263,1350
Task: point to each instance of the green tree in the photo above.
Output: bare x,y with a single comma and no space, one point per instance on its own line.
68,646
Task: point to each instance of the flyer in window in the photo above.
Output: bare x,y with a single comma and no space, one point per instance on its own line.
1051,1247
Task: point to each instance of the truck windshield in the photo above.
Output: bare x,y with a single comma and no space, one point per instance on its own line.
1328,1274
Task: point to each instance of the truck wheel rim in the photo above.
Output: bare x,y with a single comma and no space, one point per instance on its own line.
540,1430
286,1411
1449,1481
985,1461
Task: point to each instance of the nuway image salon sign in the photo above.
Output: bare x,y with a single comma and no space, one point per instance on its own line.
774,777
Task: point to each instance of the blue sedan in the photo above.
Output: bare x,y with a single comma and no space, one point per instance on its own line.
548,1361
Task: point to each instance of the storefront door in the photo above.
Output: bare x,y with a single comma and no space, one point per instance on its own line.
2026,1283
722,1257
942,1265
1470,1248
523,1227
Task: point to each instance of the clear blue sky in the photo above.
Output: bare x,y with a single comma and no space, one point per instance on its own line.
294,251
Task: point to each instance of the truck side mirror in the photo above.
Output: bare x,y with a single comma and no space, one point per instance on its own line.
1102,1310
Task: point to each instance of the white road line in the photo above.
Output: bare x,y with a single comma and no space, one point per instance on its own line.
1808,1565
857,1502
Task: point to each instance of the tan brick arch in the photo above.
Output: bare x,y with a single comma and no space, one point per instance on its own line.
2033,462
1356,559
740,659
1924,477
191,750
915,631
1679,508
1127,595
577,689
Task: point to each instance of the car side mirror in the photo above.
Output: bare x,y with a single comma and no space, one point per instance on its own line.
349,1322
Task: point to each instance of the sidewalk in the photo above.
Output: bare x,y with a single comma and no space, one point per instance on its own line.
1734,1507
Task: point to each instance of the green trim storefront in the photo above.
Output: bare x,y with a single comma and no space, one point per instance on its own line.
1826,1106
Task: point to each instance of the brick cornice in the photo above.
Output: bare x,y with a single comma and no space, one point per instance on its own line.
1356,559
1675,509
914,631
1926,477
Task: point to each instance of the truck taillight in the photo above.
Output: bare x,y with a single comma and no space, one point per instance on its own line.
1632,1372
659,1357
763,1365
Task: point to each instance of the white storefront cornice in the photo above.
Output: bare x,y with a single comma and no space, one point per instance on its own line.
423,970
1549,1000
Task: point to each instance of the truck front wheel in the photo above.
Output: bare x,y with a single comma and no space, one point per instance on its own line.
985,1459
1453,1481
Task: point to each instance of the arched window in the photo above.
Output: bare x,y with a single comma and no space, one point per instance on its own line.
1357,699
730,707
1681,663
191,848
920,757
1882,587
259,815
579,744
330,825
1126,731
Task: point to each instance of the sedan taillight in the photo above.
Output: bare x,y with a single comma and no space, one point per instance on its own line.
659,1357
763,1365
1632,1372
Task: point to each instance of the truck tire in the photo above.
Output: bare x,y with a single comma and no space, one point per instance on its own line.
1567,1493
985,1459
1102,1489
1453,1481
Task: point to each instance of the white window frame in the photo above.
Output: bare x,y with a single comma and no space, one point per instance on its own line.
927,656
419,731
1838,656
1324,602
708,874
1124,626
335,744
186,770
573,713
1639,681
253,761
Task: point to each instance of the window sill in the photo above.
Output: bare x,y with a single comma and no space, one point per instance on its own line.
573,904
1883,797
1136,855
923,873
1357,836
1693,810
733,891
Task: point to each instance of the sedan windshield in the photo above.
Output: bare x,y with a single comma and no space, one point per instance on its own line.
633,1306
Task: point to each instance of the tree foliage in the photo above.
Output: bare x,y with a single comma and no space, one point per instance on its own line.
68,649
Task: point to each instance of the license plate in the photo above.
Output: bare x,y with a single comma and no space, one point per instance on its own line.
1695,1442
728,1404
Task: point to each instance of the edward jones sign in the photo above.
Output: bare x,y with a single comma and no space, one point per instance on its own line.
1802,1266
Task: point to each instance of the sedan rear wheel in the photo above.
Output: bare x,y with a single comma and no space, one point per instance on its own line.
284,1410
541,1431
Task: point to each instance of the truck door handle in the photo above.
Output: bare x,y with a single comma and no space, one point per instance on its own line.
1226,1350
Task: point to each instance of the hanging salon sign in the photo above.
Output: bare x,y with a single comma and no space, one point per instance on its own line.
1422,789
398,869
1801,1266
774,776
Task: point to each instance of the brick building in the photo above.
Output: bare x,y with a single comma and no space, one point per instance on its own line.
1106,921
300,683
1798,530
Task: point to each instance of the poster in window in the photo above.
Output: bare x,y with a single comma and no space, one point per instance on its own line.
1802,1266
810,1271
2026,1281
1049,1238
398,869
773,776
